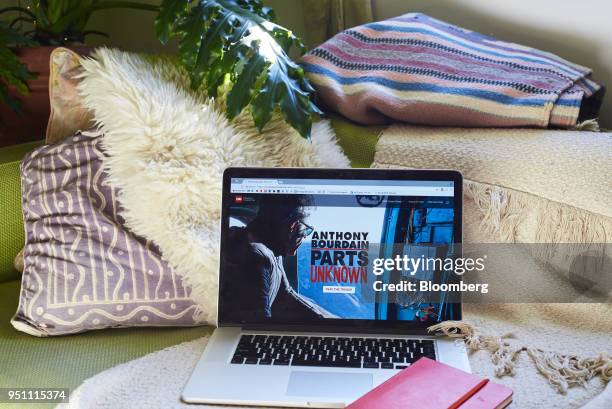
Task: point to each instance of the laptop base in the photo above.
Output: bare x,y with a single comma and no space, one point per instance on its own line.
215,380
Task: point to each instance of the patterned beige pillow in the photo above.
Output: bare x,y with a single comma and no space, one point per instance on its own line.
67,112
68,115
82,269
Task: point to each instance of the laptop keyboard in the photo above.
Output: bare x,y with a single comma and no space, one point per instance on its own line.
342,352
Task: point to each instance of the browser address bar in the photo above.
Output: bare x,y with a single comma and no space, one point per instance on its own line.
260,182
342,190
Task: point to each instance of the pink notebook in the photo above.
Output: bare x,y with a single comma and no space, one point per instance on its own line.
430,384
490,395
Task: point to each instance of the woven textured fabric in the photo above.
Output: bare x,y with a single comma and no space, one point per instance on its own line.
11,222
421,70
524,185
571,168
11,227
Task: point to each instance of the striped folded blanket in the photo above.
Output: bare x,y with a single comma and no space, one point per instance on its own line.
417,69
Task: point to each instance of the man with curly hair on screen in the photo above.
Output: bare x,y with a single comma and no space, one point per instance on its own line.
260,288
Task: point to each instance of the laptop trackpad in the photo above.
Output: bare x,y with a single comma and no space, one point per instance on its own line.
329,384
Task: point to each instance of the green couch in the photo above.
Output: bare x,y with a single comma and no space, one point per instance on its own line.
27,361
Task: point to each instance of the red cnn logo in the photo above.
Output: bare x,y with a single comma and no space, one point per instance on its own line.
238,199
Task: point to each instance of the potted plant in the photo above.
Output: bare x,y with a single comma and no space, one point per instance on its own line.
230,43
28,34
238,41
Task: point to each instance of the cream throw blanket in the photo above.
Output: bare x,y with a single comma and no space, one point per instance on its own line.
529,185
156,380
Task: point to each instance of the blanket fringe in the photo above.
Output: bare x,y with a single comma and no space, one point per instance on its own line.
504,211
590,125
564,231
565,371
561,371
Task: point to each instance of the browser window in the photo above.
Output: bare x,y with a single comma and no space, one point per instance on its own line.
306,249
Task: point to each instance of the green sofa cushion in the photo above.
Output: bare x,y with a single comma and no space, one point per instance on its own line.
15,153
11,222
357,141
27,361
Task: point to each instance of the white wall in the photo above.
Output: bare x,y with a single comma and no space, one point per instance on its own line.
579,31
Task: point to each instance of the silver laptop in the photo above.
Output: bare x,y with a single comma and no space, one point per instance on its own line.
306,316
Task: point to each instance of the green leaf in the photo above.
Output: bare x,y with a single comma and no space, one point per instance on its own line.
237,39
191,28
262,105
169,12
231,62
9,36
6,98
241,93
211,48
18,9
12,70
64,21
10,65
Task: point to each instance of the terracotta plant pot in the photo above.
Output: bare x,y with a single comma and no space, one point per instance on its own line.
32,123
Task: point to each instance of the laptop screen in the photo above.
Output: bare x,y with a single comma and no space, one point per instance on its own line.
306,250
